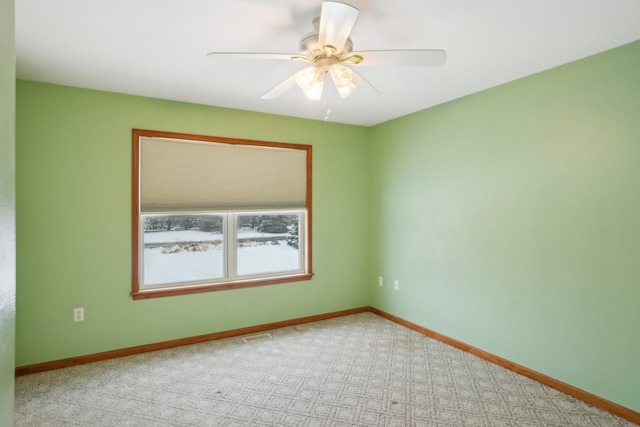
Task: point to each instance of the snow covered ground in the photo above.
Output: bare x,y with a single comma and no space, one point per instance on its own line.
197,236
161,267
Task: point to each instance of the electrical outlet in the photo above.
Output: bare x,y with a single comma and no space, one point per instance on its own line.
78,314
380,281
396,285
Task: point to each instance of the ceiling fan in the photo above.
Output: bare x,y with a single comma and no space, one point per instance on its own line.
329,50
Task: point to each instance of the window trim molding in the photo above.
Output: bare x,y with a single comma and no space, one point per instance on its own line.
137,292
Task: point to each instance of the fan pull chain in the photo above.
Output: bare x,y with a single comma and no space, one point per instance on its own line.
326,116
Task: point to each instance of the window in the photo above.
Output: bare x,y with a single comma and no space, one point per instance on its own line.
214,213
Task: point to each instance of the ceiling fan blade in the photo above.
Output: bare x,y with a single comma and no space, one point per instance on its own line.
403,58
364,82
280,88
336,22
243,55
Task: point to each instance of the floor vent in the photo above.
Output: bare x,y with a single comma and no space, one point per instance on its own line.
259,337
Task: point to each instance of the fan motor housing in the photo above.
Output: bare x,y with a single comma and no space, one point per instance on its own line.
309,44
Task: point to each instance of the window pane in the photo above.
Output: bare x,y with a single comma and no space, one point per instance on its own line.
183,248
267,243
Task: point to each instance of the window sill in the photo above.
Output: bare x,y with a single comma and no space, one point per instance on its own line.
186,290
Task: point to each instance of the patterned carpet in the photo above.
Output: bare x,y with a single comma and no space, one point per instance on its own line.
359,370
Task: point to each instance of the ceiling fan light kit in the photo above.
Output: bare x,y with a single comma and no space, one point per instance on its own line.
330,50
311,79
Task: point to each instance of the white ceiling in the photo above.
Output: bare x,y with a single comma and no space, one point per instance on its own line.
157,48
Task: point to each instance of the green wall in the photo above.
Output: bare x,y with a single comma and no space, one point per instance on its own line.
7,210
74,228
512,220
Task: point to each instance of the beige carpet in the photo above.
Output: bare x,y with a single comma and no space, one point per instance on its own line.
359,370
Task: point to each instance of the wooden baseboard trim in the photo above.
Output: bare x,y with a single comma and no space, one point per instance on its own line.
580,394
96,357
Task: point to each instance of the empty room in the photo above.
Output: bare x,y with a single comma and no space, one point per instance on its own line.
299,212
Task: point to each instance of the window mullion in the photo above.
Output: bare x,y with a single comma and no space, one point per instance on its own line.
231,243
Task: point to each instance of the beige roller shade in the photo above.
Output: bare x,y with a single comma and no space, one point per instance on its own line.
196,176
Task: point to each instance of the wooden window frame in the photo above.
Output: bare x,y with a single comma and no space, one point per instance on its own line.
137,291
